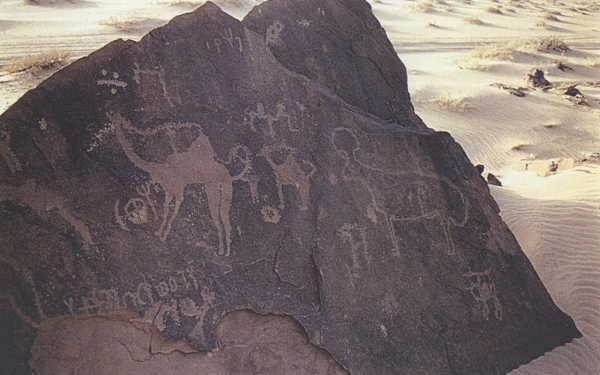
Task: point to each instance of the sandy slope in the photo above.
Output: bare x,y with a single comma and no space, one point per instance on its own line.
555,215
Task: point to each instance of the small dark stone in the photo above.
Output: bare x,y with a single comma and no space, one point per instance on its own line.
493,180
479,168
536,79
572,91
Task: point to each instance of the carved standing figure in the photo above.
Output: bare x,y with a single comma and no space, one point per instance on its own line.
197,165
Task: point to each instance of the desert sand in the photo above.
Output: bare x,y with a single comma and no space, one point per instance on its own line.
463,59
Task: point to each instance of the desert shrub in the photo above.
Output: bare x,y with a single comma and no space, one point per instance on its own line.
452,102
122,23
549,17
494,10
425,7
38,61
552,44
471,64
594,62
473,20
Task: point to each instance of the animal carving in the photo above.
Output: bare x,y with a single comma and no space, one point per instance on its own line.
197,165
289,172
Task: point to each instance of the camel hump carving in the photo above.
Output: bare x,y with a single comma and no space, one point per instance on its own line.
197,165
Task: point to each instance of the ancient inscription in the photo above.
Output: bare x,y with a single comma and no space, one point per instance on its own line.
113,82
6,152
484,290
226,38
197,165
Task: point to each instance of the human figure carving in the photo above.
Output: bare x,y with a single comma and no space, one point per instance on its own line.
289,172
483,292
197,165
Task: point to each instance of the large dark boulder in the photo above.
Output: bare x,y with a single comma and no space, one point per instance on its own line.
190,182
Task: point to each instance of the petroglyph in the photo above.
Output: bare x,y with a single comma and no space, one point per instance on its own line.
197,165
356,237
229,38
484,292
273,32
347,146
5,151
109,300
234,42
137,210
260,114
288,172
159,74
44,201
113,83
270,214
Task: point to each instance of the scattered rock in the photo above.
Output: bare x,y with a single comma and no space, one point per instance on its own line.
191,175
572,91
516,91
536,79
493,180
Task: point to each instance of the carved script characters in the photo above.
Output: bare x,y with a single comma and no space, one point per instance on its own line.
227,36
484,291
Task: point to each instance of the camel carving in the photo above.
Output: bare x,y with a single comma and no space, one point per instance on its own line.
289,172
197,165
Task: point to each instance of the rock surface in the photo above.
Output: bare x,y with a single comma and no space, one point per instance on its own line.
195,186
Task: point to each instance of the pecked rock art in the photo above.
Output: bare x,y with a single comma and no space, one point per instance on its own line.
220,173
196,165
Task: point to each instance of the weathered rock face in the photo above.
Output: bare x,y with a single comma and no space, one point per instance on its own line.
191,178
342,46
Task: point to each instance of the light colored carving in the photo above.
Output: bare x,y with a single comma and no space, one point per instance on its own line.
113,83
197,165
356,237
354,171
289,173
158,74
136,211
273,32
5,151
280,114
270,214
484,292
43,201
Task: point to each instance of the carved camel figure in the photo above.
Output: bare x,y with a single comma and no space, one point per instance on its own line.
197,165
